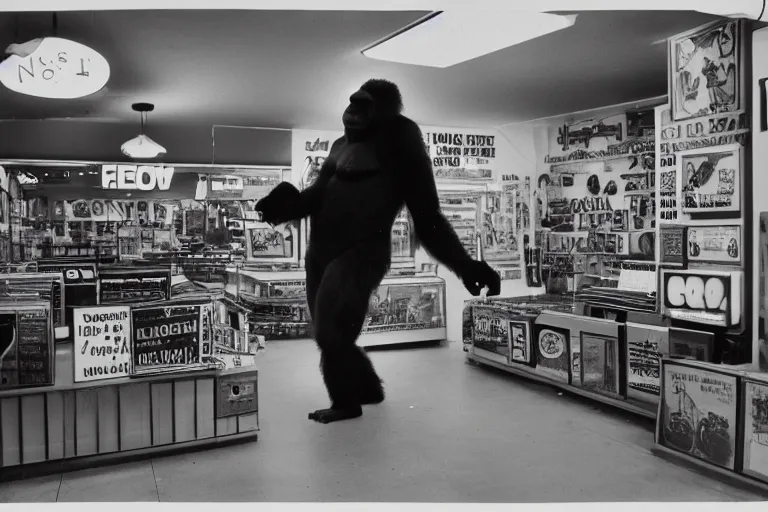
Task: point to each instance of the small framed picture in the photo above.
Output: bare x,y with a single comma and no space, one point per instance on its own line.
711,179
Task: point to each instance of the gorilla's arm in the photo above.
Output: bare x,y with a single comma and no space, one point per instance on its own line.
416,183
285,203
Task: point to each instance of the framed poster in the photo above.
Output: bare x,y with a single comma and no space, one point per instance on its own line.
711,179
407,305
705,70
714,244
490,333
691,344
166,338
102,347
552,352
672,245
520,342
271,244
699,413
26,346
600,364
755,409
702,296
646,345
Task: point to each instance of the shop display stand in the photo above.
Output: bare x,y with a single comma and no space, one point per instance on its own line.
629,405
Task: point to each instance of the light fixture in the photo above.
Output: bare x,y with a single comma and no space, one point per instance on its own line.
142,147
446,38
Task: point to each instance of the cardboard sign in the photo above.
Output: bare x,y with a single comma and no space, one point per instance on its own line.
57,68
102,343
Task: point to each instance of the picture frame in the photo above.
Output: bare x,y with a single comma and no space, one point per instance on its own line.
714,244
520,348
691,344
490,333
672,248
705,70
646,345
711,179
553,352
699,412
271,244
754,394
600,364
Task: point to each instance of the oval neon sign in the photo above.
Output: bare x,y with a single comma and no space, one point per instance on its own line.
57,69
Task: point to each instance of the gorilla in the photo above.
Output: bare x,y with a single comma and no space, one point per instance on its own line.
378,166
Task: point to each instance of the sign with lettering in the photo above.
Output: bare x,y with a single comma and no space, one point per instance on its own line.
461,156
57,68
166,337
102,343
699,413
136,177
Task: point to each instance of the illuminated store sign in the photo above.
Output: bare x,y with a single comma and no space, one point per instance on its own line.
136,177
54,68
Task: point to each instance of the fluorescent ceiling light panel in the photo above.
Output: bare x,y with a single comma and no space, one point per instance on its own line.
142,147
447,38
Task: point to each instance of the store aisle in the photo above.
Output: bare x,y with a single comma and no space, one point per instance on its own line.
449,432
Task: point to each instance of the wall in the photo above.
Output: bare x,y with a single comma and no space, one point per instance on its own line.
82,140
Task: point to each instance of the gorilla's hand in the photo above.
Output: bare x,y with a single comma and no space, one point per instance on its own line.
278,205
477,275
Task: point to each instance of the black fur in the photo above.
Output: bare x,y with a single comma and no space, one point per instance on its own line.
379,165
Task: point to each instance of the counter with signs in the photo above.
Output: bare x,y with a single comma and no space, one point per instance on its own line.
136,380
548,338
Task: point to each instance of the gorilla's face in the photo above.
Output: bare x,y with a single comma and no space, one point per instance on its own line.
359,114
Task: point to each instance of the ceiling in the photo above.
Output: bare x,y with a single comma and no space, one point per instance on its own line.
296,69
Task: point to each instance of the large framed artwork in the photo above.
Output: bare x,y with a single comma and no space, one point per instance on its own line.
553,352
714,244
699,412
705,70
711,179
646,345
268,244
755,409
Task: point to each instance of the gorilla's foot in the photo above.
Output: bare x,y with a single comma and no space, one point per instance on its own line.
337,414
374,394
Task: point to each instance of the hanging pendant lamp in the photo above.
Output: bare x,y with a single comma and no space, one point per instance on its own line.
141,146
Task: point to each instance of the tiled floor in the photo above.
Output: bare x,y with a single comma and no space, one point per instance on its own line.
448,432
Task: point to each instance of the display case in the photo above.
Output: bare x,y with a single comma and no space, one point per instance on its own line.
411,304
124,285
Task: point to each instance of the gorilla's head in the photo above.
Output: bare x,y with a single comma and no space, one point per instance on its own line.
375,102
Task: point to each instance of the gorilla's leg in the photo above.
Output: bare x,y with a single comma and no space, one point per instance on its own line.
341,304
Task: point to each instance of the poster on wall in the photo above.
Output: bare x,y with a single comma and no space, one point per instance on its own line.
552,352
705,71
26,347
166,338
698,414
102,343
463,156
756,429
714,244
669,208
646,345
672,248
711,180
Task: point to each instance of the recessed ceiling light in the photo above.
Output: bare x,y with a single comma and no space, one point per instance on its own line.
447,38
